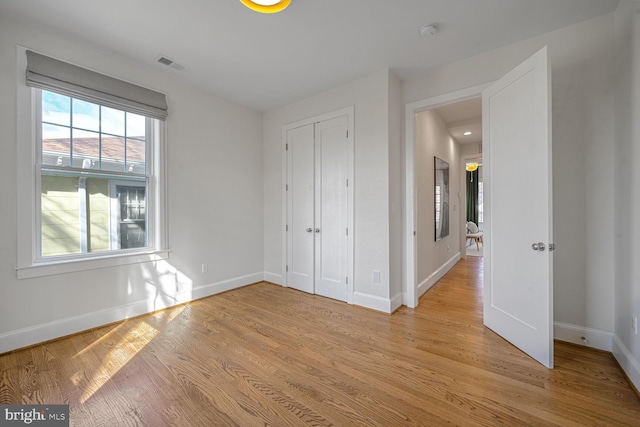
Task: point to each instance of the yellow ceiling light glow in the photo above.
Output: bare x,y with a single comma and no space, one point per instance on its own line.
266,6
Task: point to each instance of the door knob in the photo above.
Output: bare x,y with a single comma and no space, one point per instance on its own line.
309,230
317,230
538,246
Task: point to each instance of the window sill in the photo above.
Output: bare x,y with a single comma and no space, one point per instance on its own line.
69,266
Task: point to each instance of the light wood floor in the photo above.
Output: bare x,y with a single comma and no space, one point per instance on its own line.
266,355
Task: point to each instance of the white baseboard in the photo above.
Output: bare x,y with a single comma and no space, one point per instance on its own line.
627,361
396,302
588,337
373,302
427,283
273,278
25,337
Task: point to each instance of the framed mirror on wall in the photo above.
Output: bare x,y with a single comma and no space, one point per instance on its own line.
441,198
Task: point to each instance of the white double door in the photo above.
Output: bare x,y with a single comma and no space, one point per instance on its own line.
318,207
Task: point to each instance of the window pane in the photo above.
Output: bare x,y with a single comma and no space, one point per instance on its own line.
98,218
112,121
136,126
56,149
85,147
56,108
136,155
60,215
112,153
86,115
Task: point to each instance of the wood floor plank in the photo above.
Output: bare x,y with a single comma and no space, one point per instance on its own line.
267,355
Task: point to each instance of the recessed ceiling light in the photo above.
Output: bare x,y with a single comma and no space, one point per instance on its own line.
266,6
467,133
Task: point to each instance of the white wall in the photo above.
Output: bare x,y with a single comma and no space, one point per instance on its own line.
583,78
214,205
432,138
396,192
626,346
370,96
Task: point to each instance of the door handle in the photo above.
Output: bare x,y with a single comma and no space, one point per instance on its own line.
538,246
317,230
309,230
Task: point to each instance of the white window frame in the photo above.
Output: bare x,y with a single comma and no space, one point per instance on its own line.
29,264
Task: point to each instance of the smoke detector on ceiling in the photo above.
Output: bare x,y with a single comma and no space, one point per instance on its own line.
170,63
428,30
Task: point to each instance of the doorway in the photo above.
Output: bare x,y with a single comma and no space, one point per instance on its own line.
473,191
411,200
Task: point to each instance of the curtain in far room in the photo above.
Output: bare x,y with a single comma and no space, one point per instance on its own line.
472,196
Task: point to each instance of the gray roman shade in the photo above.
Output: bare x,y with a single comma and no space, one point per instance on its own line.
50,74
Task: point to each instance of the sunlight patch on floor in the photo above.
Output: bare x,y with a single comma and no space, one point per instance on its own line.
133,341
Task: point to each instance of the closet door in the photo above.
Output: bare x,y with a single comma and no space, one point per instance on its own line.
317,208
331,203
300,208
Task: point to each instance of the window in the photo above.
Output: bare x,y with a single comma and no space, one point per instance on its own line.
91,171
85,148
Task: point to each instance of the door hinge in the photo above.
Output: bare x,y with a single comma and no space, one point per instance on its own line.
347,231
287,269
347,134
347,182
286,227
286,147
347,280
286,187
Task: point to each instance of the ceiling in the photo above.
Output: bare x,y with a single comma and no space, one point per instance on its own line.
266,61
461,117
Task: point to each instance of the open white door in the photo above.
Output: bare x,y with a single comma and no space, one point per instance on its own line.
518,270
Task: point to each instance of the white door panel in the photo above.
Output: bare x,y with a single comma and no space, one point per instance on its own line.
331,208
518,301
300,206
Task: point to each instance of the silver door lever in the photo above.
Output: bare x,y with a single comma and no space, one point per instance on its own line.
538,246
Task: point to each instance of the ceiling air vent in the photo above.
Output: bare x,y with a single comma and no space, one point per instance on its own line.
170,63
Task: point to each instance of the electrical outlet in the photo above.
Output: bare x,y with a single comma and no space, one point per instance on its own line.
634,324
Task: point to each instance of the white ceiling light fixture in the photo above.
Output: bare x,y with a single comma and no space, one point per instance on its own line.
467,133
266,6
428,30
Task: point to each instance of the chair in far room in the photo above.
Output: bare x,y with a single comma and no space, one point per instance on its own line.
474,233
